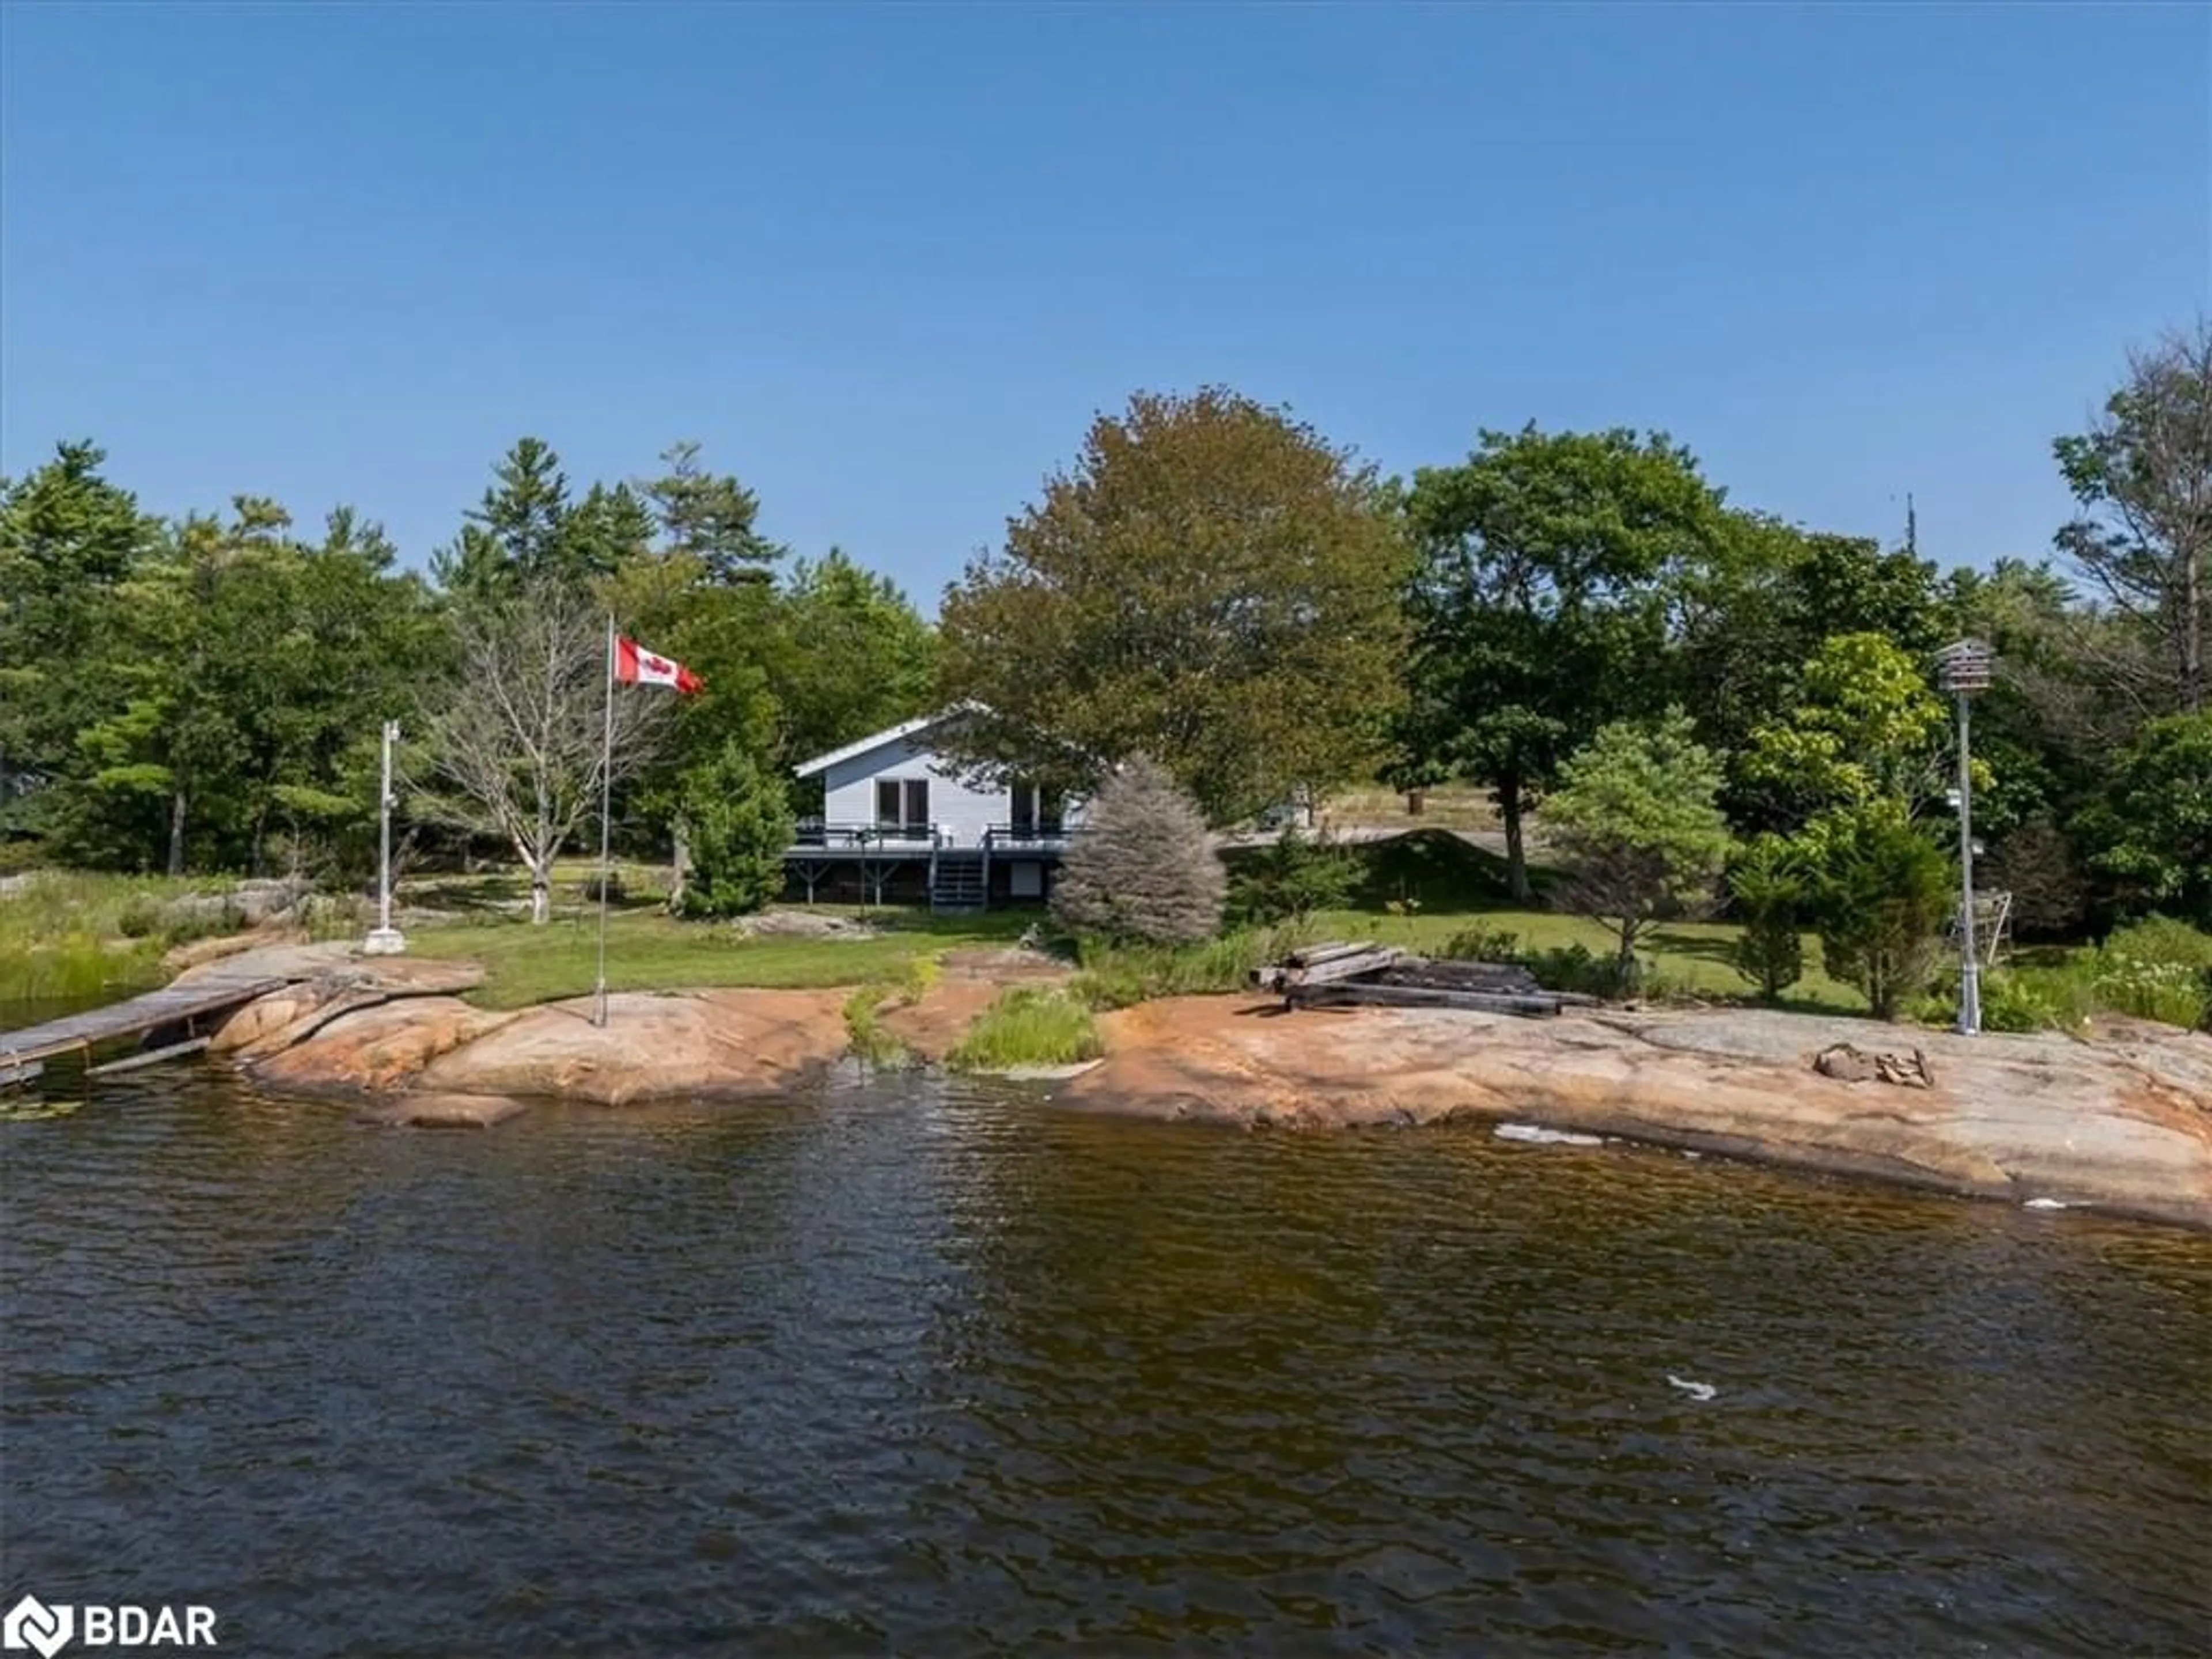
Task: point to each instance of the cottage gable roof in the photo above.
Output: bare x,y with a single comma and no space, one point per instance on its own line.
873,740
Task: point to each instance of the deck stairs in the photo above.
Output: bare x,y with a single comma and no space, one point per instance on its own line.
957,885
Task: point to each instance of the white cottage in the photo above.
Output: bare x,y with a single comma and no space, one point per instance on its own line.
898,822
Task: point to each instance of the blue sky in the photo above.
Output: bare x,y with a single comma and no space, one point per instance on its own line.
886,262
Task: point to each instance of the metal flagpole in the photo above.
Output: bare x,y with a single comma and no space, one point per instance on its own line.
606,812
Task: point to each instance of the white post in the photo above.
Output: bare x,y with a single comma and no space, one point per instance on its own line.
1969,970
606,810
385,940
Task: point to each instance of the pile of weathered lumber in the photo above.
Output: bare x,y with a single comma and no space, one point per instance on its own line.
1363,972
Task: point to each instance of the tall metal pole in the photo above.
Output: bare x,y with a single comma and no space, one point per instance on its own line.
1970,980
606,812
385,940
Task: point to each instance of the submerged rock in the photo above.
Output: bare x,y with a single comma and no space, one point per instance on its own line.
442,1111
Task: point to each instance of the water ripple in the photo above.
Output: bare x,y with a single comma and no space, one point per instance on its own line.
921,1370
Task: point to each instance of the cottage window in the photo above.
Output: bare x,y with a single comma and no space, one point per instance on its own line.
902,805
1035,810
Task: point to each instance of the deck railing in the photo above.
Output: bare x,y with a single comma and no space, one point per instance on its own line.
1045,835
814,833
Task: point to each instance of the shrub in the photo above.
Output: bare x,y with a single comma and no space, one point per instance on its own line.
1028,1025
1576,968
2012,1003
1144,867
739,822
1479,944
1883,895
1291,878
2158,968
1767,887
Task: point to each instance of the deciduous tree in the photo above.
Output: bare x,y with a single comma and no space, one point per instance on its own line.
2143,475
513,745
1539,608
1636,829
1214,584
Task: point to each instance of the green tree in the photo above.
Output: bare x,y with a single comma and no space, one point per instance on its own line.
1753,606
1868,729
1289,878
851,654
1539,608
70,542
1214,585
520,534
1144,867
251,673
711,518
1636,829
2154,827
2142,476
739,822
1768,890
1883,894
607,530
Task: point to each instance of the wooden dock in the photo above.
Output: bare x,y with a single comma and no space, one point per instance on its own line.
181,1017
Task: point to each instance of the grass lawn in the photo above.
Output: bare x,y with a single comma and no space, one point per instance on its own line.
1419,889
1692,956
647,950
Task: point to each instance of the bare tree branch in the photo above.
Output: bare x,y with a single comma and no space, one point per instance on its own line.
517,741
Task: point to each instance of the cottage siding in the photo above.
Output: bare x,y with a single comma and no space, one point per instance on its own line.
960,813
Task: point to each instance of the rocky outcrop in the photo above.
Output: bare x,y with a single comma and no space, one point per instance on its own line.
387,1046
285,1018
708,1044
2125,1126
2122,1123
703,1045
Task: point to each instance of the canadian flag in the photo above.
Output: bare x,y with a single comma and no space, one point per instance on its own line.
635,666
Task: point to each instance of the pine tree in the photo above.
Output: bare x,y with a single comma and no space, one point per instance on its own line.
1143,867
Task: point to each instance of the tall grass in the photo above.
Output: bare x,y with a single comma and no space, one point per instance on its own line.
1028,1025
1120,976
864,1034
68,935
2157,969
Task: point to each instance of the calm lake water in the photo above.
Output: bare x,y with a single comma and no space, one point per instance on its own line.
923,1368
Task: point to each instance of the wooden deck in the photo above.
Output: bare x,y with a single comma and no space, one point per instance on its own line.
184,1013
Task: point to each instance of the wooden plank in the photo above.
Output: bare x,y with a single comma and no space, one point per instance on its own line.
1417,996
13,1077
1313,954
1463,975
149,1012
151,1057
1371,961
